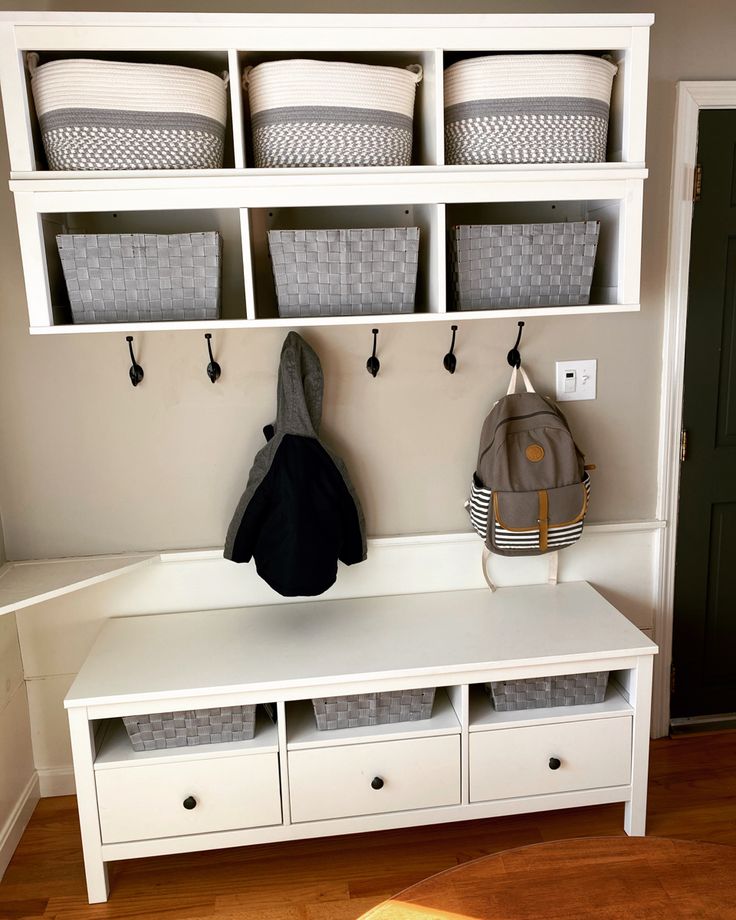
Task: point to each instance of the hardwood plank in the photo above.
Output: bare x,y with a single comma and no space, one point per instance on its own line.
692,795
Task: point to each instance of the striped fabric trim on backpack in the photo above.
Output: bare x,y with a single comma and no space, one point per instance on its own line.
478,505
557,537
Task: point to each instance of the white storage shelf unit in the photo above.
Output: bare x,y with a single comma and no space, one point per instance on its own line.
243,202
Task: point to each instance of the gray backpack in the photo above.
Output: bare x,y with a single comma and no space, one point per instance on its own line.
531,488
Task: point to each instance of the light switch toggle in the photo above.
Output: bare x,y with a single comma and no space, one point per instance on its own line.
576,380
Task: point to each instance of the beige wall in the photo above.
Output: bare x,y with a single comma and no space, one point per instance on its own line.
90,465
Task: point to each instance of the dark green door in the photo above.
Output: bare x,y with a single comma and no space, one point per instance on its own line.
704,649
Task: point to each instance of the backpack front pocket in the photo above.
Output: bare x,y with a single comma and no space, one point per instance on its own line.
528,523
478,506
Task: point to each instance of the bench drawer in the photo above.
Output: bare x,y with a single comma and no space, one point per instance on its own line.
366,779
143,802
541,759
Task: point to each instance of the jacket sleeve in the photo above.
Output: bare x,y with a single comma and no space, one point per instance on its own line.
352,545
252,522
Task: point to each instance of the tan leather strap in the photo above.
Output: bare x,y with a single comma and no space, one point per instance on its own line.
543,519
486,557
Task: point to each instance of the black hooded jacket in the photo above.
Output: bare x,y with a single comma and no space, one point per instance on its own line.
299,513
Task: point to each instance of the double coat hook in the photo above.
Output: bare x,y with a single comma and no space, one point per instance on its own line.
514,356
213,368
136,371
373,365
450,361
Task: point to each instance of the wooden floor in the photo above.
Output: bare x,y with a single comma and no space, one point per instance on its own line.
692,796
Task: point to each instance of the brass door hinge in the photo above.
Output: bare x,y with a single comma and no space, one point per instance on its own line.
697,182
683,445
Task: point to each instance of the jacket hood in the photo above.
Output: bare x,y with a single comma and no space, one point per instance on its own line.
300,388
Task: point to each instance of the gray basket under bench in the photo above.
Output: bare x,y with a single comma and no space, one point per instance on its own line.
545,692
191,727
363,709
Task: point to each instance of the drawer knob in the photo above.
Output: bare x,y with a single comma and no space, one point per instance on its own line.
376,783
189,802
555,763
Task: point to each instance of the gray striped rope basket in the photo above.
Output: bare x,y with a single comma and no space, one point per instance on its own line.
345,272
116,115
498,266
191,727
142,277
363,709
331,113
545,692
527,108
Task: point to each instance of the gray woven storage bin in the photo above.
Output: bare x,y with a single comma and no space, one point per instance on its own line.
496,266
373,708
191,727
543,692
345,272
142,277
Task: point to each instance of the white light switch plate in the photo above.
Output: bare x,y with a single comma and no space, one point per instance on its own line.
576,379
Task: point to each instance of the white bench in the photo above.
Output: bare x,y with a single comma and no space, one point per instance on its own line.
293,781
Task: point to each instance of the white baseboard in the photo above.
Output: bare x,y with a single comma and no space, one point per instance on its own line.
56,781
12,831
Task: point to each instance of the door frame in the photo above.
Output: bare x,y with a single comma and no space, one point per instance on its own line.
692,96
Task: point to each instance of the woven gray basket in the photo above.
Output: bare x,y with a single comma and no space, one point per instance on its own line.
543,692
345,272
496,266
191,727
373,708
141,277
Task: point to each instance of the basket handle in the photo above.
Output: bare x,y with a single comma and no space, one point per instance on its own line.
246,75
225,74
32,60
417,70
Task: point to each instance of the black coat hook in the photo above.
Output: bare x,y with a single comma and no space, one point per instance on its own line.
514,356
136,371
450,361
373,365
213,368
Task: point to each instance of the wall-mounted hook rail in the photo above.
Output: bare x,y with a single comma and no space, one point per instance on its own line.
514,356
213,368
136,371
450,361
373,365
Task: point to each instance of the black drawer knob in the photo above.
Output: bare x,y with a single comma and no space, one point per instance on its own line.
376,783
189,802
555,763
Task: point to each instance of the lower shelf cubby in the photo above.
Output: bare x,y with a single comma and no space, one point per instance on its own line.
607,287
428,218
226,222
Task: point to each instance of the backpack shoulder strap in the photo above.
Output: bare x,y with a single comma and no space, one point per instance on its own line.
484,563
524,377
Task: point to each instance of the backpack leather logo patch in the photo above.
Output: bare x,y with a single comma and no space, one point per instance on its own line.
534,453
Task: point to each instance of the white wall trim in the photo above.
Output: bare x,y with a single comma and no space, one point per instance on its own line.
56,781
692,96
12,830
425,539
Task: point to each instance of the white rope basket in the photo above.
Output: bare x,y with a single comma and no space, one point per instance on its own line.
528,108
113,115
329,113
